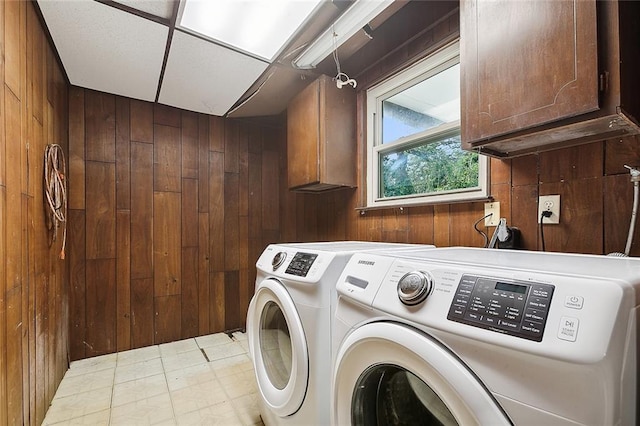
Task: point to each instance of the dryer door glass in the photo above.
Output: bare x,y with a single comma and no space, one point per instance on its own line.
390,395
390,373
278,347
275,345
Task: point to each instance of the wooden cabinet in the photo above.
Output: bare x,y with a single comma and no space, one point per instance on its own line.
321,139
539,75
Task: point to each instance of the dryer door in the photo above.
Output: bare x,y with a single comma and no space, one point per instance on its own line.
278,348
388,373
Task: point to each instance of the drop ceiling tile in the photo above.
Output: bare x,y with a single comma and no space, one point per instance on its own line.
161,8
107,49
204,77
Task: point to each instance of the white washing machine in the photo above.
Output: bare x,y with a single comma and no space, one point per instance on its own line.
289,327
486,337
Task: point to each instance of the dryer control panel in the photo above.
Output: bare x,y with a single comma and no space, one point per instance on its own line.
301,263
505,306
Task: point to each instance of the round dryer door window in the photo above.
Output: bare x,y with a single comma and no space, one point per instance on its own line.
275,345
391,395
279,348
388,373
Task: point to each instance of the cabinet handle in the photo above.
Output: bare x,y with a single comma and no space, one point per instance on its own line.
604,81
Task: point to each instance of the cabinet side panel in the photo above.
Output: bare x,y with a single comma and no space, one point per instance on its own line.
629,11
339,141
303,136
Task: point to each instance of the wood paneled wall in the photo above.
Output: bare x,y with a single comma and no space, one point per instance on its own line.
33,280
169,212
595,205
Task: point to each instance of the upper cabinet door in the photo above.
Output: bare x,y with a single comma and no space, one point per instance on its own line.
525,63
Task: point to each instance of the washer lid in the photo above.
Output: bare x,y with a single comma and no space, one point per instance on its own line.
397,348
279,348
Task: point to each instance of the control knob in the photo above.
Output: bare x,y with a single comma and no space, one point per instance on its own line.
414,287
278,259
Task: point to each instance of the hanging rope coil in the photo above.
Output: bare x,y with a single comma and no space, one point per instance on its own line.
55,190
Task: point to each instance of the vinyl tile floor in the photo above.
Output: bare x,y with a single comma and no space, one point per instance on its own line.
206,380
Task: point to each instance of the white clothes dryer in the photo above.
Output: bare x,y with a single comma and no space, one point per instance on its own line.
486,337
289,327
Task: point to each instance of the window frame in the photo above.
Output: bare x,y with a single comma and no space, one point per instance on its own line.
443,58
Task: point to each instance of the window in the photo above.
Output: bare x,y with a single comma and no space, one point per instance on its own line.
413,137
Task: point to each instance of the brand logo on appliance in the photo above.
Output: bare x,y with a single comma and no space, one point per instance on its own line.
366,262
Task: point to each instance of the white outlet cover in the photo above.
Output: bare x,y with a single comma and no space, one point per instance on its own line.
494,219
555,209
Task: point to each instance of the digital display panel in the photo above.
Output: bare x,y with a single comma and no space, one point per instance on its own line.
513,288
300,264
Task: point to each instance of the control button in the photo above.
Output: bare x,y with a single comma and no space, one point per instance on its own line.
534,315
568,329
490,320
472,316
508,325
574,302
461,299
540,291
538,303
531,329
468,280
457,310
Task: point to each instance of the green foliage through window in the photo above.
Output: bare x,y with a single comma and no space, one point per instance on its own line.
428,168
414,153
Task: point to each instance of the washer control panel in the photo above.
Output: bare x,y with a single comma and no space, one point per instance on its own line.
512,307
300,264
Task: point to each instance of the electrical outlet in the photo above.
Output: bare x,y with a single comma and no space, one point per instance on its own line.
552,204
494,219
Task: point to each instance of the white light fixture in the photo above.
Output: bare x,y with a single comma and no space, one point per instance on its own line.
349,23
258,27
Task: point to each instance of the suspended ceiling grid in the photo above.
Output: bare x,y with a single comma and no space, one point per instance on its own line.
132,48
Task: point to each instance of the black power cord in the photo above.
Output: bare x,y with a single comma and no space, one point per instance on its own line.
475,226
545,213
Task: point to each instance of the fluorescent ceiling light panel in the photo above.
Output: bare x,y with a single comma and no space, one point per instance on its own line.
259,27
349,23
